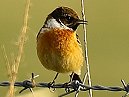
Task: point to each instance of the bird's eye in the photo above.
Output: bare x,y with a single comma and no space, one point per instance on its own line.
68,17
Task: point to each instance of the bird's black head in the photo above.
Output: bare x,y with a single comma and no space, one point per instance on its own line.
67,16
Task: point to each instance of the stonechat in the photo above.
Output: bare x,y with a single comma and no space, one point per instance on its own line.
58,46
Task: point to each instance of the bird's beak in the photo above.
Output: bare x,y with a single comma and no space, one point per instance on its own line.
82,22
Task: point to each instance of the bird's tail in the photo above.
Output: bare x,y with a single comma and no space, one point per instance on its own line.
76,77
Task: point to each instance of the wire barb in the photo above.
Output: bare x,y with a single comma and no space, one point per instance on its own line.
29,84
126,88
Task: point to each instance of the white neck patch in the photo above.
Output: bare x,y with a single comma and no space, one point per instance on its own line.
52,23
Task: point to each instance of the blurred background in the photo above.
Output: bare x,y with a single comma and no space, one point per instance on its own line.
108,42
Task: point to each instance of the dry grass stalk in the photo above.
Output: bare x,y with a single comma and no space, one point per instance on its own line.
87,74
12,67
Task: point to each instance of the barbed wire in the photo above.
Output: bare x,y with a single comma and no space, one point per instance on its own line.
69,87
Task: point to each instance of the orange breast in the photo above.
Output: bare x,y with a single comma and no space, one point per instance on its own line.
59,50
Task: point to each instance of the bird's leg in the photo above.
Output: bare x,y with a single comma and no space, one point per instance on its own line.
55,78
53,81
71,77
67,83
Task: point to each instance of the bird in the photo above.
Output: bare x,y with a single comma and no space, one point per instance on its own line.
58,45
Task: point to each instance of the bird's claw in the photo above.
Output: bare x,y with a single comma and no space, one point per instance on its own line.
50,86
